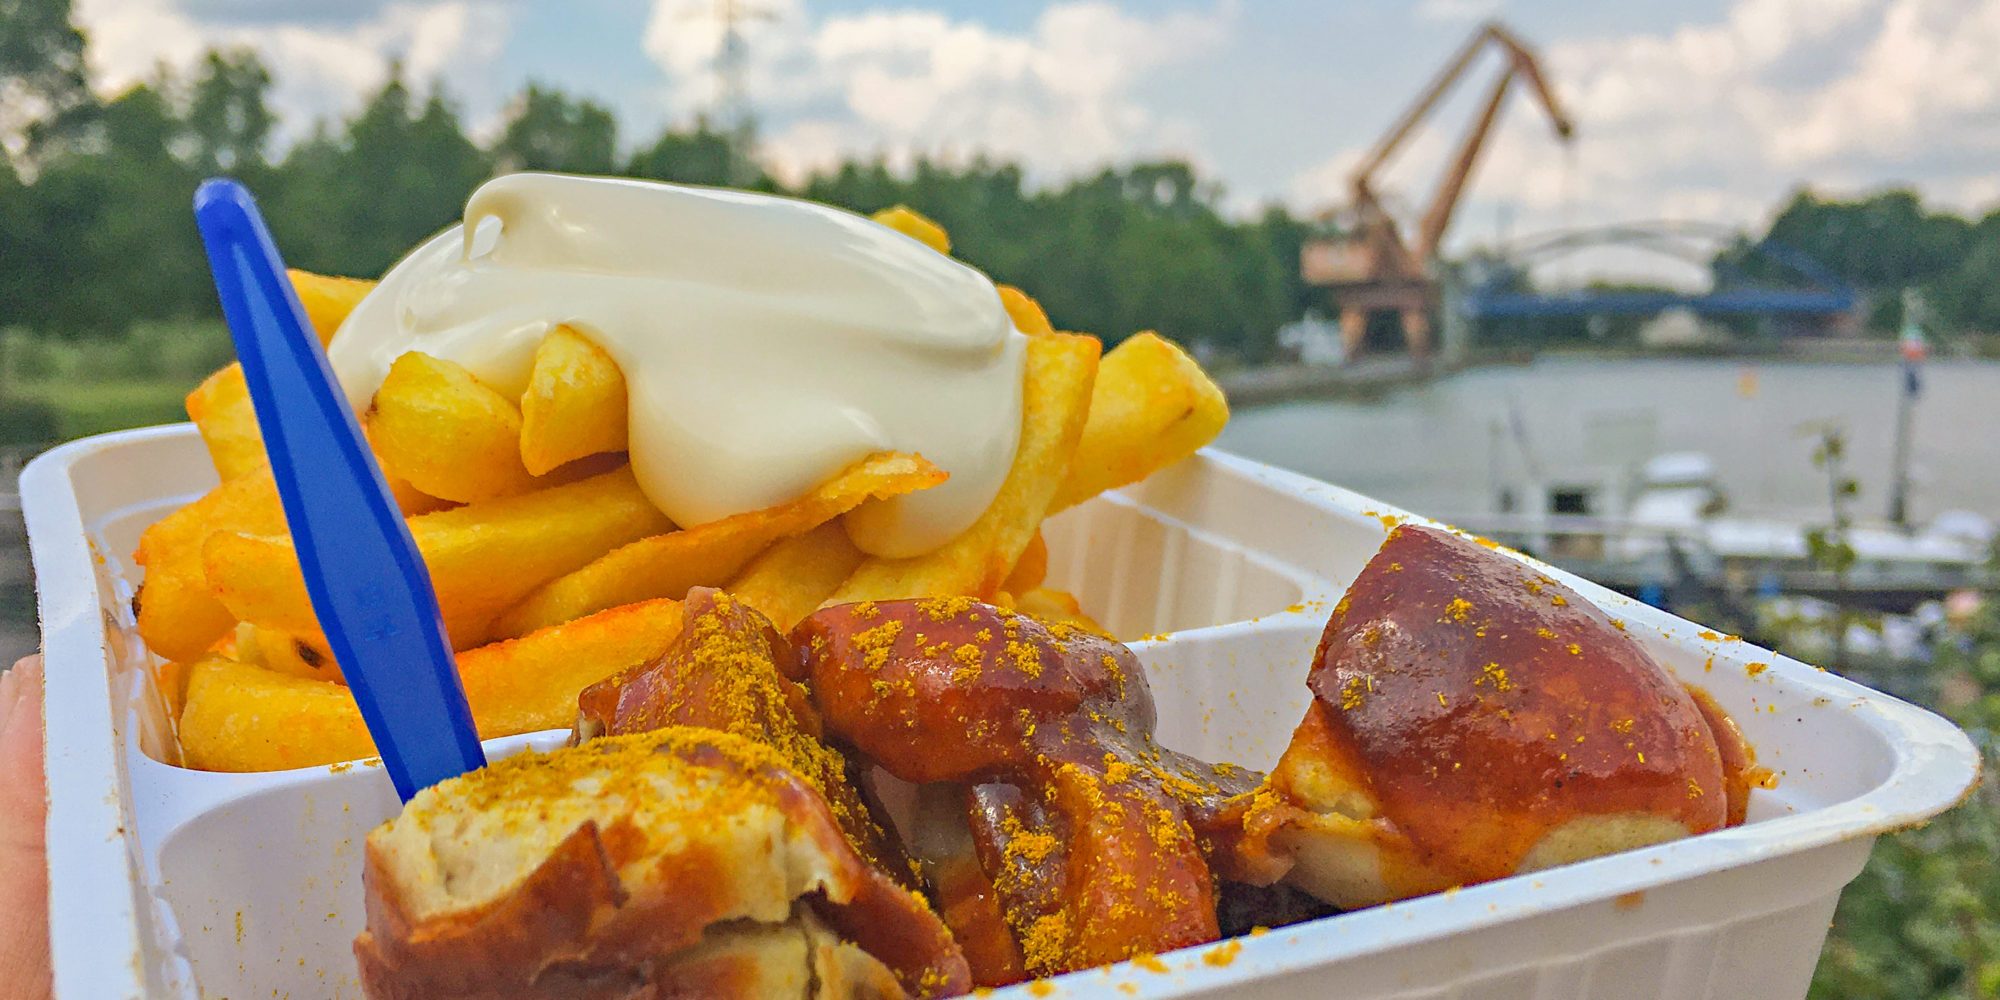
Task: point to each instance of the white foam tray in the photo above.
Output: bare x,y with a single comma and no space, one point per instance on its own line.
167,882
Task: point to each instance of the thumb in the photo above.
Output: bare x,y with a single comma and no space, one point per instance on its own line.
24,872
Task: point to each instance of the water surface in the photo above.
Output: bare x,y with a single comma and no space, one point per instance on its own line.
1450,448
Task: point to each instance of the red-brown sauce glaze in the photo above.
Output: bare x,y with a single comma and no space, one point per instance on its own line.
1094,839
1489,704
1739,759
727,671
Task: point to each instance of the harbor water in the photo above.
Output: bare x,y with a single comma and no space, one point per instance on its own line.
1480,441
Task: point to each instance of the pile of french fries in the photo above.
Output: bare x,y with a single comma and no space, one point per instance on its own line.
552,569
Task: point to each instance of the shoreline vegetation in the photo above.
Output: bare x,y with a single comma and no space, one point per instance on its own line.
59,388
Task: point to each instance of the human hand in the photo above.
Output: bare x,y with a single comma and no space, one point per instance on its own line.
24,865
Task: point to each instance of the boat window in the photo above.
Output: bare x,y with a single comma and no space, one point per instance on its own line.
1569,500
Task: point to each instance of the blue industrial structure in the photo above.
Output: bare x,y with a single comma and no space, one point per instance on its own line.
1813,294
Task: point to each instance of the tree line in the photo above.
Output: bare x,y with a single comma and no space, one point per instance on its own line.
1890,241
96,233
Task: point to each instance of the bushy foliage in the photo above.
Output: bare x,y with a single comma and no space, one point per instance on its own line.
1922,922
1887,242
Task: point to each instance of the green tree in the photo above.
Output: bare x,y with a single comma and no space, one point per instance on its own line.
547,130
1283,236
45,100
400,173
297,197
19,245
113,239
1922,922
699,156
1968,295
228,120
1145,247
1886,240
1880,244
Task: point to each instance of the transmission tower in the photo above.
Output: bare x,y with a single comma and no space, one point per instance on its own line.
732,112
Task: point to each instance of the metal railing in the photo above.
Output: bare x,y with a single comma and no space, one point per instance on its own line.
1627,555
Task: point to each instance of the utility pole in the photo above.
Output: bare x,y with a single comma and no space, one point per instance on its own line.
1914,349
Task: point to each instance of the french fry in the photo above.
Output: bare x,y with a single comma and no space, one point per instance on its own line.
228,647
531,683
708,555
221,411
1056,606
220,406
178,617
1031,568
245,717
790,579
1026,313
915,225
328,300
412,501
446,432
1059,371
299,656
1152,407
483,558
575,405
242,717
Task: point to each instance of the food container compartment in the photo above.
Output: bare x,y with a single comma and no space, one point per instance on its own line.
175,883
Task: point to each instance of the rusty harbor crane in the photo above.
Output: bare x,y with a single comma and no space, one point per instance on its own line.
1371,268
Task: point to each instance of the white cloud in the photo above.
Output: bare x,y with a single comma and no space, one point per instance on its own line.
1457,10
1063,95
1713,119
1717,120
319,70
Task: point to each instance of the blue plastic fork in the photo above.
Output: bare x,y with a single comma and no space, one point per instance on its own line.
367,582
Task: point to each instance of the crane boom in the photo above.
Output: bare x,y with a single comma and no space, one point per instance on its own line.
1531,67
1444,204
1372,268
1414,115
1521,62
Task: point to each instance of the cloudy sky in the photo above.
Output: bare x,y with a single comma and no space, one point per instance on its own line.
1698,109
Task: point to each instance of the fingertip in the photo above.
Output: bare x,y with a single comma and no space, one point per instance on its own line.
21,724
13,692
20,685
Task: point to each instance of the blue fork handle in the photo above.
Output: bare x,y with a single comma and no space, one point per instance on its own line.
368,583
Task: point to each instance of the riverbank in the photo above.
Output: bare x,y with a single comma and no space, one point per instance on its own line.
1364,379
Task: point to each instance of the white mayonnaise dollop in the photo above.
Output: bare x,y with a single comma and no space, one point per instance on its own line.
766,342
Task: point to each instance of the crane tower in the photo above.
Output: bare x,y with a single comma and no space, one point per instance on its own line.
1371,267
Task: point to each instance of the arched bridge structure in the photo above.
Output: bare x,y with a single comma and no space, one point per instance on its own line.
1804,290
